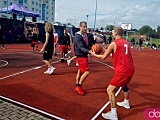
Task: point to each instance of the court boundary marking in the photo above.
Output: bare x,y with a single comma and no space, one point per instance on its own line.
21,72
34,68
6,63
32,108
43,112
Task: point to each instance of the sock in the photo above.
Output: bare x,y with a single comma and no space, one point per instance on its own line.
125,100
114,111
78,85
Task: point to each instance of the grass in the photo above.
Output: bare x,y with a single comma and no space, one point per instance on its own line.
152,40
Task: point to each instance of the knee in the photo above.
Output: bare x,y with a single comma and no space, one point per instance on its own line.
87,72
125,89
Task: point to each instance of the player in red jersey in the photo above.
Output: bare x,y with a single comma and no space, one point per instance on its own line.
124,70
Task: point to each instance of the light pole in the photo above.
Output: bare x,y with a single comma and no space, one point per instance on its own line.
95,16
87,18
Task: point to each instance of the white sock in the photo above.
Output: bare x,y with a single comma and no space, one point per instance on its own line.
114,111
125,100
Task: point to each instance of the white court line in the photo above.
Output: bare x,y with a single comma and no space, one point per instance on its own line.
35,68
6,63
100,111
32,108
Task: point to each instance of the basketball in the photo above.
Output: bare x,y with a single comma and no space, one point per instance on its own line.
97,48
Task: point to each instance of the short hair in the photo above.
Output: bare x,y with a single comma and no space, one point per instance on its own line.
82,23
119,30
49,27
89,30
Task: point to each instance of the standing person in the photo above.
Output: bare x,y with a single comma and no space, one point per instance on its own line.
64,42
47,48
2,38
132,42
81,50
91,40
55,40
110,39
140,43
124,70
34,39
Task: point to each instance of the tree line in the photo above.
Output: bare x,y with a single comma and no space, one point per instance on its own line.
144,30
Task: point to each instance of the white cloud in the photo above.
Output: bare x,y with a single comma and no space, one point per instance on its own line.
137,12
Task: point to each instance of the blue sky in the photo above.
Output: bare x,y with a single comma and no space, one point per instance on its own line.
136,12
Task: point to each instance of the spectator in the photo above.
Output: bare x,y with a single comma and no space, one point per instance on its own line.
132,42
55,37
140,43
64,42
154,46
110,39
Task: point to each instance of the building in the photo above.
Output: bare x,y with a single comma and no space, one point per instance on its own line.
46,8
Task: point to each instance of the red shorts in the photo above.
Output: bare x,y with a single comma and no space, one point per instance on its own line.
36,43
120,80
64,48
82,64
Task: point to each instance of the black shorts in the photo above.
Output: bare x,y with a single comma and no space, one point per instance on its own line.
47,54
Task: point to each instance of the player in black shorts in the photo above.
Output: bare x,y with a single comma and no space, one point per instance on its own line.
47,48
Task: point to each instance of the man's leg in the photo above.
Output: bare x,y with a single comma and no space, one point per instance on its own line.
111,95
125,103
79,80
113,113
78,76
83,77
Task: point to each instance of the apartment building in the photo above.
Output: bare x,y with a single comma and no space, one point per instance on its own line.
46,8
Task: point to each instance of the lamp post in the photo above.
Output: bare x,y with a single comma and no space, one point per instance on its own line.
95,16
87,18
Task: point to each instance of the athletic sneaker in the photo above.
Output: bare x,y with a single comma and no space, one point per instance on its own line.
110,116
48,71
68,62
124,104
52,70
79,90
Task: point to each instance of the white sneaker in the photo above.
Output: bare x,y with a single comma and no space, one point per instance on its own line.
124,104
68,62
52,70
47,72
110,116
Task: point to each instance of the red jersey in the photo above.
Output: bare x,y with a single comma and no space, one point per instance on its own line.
55,39
122,58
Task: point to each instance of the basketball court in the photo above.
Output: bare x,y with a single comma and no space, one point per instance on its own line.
23,83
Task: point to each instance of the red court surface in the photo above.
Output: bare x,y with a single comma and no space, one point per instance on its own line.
22,80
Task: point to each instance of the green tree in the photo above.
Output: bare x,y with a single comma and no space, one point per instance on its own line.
147,30
158,31
109,27
144,30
